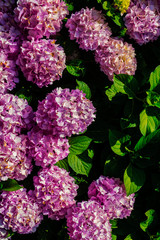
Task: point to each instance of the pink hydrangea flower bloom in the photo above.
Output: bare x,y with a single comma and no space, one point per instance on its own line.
111,193
14,159
89,29
7,5
47,149
64,112
143,22
88,221
15,114
116,57
40,17
10,36
20,211
55,191
42,61
8,73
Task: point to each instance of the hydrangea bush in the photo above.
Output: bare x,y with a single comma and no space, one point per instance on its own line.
79,119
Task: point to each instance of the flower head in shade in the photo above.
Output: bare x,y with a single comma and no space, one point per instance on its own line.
10,36
64,112
15,114
7,5
8,73
15,163
88,28
55,191
116,57
20,211
87,221
3,231
42,61
111,193
142,22
122,5
41,17
47,149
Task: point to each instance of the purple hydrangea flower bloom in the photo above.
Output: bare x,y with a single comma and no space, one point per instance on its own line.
3,231
142,22
15,114
10,36
47,149
116,57
14,160
8,73
88,221
111,193
89,29
64,112
55,191
7,5
20,211
42,61
40,17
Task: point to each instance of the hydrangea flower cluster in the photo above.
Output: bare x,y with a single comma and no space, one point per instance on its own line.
42,61
92,33
46,149
55,191
10,36
116,57
65,113
15,114
8,73
88,220
15,163
89,29
41,17
20,211
122,5
7,5
111,193
142,22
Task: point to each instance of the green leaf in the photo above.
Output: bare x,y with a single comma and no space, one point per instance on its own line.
118,141
111,92
151,214
153,98
126,84
84,87
76,68
79,165
79,144
154,78
114,237
149,122
134,179
151,138
129,237
63,164
11,185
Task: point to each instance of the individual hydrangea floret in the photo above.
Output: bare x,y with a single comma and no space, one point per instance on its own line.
55,191
42,61
47,149
88,28
142,22
15,114
20,211
64,112
111,193
8,73
41,17
14,159
10,36
88,221
122,5
116,57
7,5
